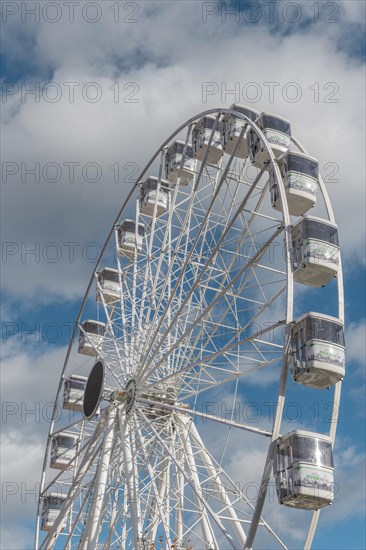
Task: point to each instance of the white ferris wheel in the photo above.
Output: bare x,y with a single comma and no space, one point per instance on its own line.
189,309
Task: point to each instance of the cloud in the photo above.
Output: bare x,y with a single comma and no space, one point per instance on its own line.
28,386
350,483
356,337
355,380
168,85
23,539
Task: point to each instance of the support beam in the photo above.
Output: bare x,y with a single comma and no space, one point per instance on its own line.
131,481
93,522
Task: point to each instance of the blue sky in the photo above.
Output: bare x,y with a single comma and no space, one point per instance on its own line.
109,88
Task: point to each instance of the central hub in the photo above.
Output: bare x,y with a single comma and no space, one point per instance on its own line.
130,394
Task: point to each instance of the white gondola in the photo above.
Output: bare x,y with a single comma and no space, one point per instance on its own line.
108,280
317,356
300,175
303,470
63,449
315,251
52,504
74,388
173,163
91,337
130,238
276,130
231,127
201,136
154,197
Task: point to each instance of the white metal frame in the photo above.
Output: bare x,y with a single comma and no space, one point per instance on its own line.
142,472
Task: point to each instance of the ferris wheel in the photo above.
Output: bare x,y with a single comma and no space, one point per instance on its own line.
197,305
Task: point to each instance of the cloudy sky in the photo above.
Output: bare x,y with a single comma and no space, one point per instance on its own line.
89,91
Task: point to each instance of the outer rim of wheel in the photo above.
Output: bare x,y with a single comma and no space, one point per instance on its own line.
290,287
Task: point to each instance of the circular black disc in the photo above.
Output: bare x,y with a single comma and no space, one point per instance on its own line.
93,390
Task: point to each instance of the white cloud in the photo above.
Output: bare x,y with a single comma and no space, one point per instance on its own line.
355,381
349,499
356,339
23,539
29,382
107,132
28,386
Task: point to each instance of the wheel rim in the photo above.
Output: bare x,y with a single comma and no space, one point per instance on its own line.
201,306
